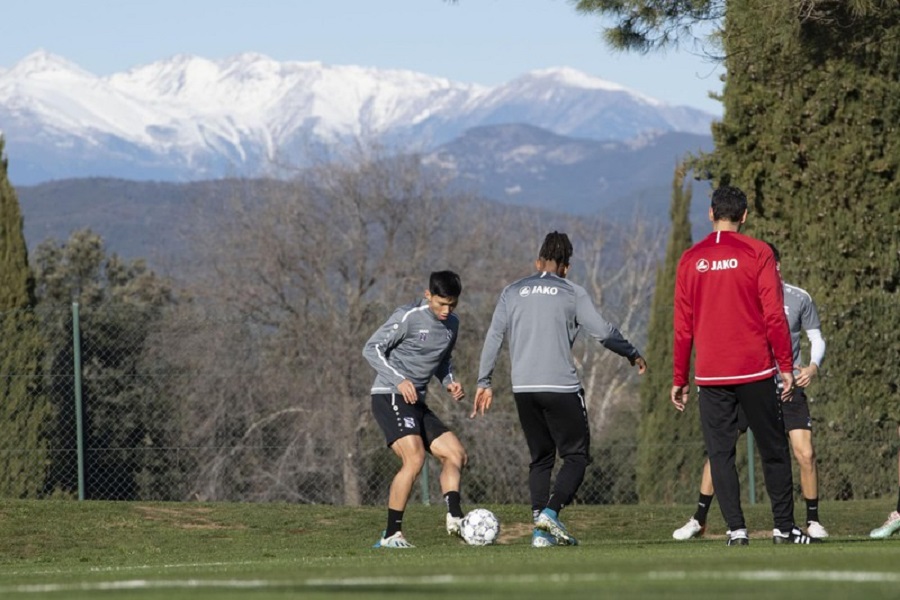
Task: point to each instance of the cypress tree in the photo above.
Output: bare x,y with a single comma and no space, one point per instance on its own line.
812,113
810,132
670,442
24,410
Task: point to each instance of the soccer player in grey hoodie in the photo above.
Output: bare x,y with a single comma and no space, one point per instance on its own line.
412,346
542,314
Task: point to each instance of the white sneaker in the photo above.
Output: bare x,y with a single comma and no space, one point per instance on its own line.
889,528
395,541
691,529
454,525
814,529
738,537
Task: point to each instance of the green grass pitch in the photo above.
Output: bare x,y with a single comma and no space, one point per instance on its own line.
71,550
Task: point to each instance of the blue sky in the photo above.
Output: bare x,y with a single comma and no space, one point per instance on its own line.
477,41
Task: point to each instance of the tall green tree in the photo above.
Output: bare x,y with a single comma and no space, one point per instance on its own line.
24,408
16,280
670,442
812,111
128,423
646,25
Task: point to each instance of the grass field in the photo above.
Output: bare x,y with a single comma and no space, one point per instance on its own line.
65,549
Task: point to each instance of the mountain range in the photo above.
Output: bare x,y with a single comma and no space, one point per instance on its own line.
189,118
122,154
529,166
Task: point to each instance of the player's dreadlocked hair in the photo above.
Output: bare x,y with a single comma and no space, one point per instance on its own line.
556,247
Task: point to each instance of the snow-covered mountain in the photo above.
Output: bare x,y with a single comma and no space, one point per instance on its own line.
189,118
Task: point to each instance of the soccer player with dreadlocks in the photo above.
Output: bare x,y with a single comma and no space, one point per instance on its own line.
542,314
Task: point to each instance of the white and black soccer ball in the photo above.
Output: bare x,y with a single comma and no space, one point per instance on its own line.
480,527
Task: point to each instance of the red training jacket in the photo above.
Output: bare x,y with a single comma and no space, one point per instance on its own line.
729,303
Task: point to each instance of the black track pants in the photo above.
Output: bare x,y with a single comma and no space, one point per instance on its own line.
719,418
554,422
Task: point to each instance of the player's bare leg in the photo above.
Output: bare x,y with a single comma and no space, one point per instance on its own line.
805,454
696,525
411,451
706,484
448,449
801,443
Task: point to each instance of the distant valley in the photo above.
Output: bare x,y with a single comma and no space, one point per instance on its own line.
514,166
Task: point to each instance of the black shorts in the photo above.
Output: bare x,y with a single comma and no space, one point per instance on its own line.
398,419
794,413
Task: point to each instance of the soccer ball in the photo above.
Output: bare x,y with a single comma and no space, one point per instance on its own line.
480,527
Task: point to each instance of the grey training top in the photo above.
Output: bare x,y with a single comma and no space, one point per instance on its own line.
543,314
801,314
412,344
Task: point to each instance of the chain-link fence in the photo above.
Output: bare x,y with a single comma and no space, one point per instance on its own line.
144,404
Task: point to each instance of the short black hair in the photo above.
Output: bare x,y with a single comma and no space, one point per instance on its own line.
775,252
728,204
556,247
445,284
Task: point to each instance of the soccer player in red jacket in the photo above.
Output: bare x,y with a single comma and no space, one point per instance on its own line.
729,307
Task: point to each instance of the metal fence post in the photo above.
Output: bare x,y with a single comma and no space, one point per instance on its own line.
751,471
79,425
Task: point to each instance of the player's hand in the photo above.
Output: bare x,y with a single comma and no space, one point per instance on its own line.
410,395
787,390
456,390
483,399
804,378
679,396
640,362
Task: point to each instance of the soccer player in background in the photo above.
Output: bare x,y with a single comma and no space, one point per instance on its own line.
729,307
542,314
412,346
892,525
802,315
